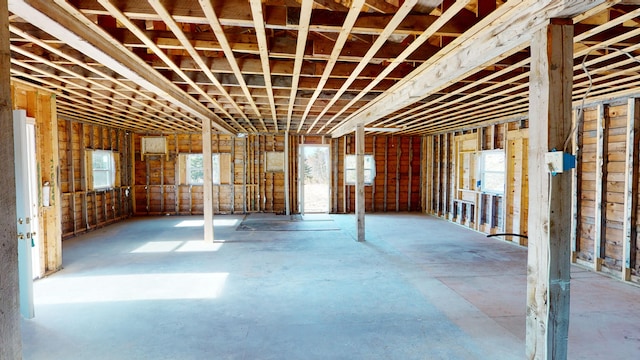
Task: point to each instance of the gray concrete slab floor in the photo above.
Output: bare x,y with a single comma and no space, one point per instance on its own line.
418,288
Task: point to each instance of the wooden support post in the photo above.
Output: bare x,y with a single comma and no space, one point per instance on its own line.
630,188
10,340
550,197
287,206
232,177
244,175
360,180
207,188
176,176
438,172
336,171
601,191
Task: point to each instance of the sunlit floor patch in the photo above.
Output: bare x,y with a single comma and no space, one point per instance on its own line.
178,246
132,287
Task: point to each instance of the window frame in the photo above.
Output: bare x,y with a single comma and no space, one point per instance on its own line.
110,170
215,169
483,172
368,181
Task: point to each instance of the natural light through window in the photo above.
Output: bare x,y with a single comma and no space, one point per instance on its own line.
103,169
350,169
492,171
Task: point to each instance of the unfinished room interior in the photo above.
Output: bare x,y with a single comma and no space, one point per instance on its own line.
319,179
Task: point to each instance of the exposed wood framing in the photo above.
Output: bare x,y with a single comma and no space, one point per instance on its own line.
630,232
550,197
10,338
208,182
601,192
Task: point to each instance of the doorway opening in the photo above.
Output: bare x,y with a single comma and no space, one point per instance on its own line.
315,178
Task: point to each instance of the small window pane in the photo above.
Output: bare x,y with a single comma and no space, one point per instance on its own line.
493,172
350,169
103,169
195,169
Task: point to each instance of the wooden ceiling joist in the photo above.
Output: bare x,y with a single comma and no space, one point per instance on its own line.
312,67
506,30
64,22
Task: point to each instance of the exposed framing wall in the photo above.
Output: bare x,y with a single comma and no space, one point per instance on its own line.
605,224
605,215
452,156
246,185
41,105
84,209
396,186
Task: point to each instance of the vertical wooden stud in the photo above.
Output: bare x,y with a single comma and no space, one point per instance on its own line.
287,210
386,172
630,188
244,174
410,173
336,171
576,185
373,185
398,157
601,192
438,175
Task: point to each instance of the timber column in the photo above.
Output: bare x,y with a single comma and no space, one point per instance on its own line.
549,261
10,340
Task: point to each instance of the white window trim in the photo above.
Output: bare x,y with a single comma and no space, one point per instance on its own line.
215,169
348,169
111,171
483,171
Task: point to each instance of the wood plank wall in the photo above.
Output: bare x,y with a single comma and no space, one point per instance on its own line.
606,183
253,189
247,185
41,105
396,186
84,209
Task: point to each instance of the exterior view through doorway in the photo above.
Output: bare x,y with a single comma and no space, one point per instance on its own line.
315,178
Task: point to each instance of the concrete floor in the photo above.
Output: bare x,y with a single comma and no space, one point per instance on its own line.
419,288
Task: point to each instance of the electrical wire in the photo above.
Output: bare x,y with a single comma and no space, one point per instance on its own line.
580,110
